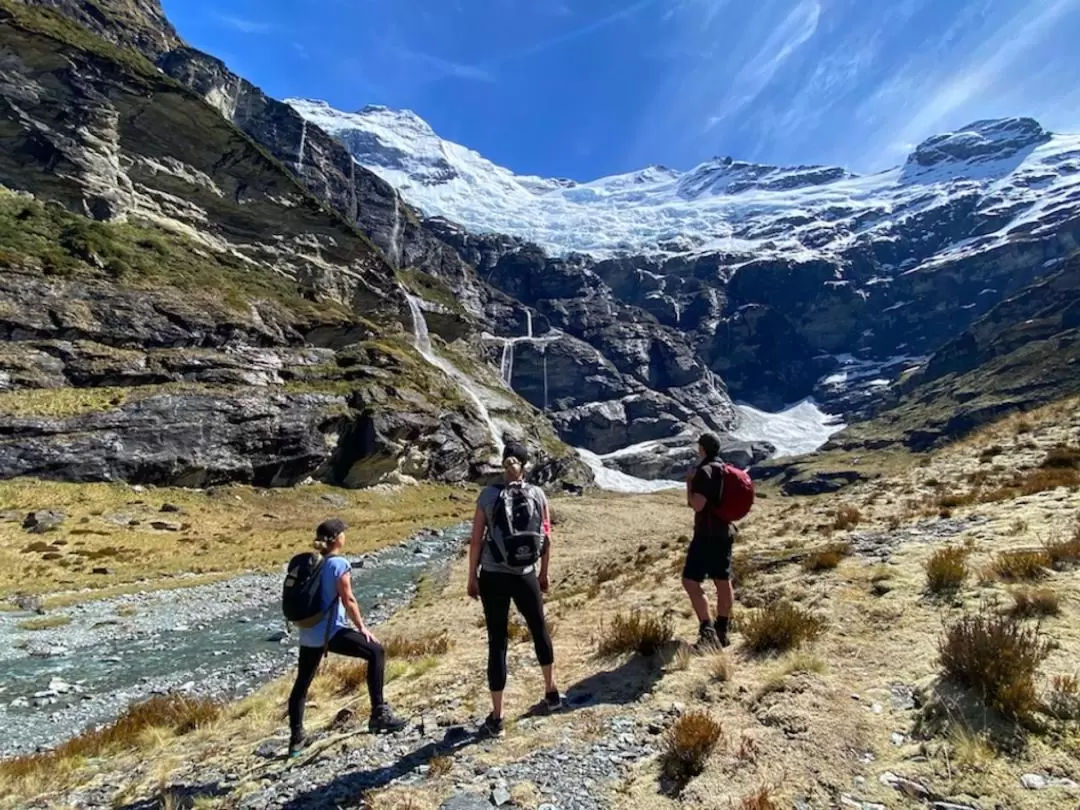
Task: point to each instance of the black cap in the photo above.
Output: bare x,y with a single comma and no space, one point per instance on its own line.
329,529
517,450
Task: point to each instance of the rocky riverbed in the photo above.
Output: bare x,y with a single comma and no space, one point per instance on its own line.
222,639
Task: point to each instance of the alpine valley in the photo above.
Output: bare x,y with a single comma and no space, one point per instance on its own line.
202,284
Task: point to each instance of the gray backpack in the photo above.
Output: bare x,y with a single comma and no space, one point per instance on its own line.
517,538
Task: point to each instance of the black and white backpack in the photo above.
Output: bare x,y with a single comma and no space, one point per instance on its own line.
517,538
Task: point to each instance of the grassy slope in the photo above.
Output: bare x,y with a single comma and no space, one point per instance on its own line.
790,722
236,529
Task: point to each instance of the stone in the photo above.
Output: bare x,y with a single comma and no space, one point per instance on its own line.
267,750
171,508
166,526
101,570
898,738
43,521
909,787
466,801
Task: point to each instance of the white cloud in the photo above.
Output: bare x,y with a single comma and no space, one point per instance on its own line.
242,24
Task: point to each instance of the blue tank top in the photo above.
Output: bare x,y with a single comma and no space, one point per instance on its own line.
331,572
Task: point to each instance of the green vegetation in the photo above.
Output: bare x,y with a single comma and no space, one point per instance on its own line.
636,632
55,26
779,628
431,288
138,255
44,623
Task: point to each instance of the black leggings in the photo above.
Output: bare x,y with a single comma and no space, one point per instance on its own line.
343,642
496,592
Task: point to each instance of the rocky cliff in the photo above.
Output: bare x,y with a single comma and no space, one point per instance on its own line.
177,308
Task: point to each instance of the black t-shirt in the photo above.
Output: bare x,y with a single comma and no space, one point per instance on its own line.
708,481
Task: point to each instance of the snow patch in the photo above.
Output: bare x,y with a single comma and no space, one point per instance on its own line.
615,481
798,429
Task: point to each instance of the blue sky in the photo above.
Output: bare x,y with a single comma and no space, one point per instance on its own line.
584,88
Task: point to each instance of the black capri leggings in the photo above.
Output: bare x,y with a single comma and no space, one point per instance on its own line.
496,593
343,642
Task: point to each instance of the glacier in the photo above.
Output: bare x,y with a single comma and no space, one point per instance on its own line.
1015,170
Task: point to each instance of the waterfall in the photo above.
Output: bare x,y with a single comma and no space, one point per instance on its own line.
543,353
422,342
303,143
395,233
528,323
678,310
506,364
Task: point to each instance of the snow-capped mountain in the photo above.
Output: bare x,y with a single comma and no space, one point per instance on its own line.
1007,178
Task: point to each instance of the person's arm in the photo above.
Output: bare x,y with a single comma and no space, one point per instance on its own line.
545,558
696,486
352,607
476,545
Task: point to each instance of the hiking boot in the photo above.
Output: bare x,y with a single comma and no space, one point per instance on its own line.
383,719
297,746
553,700
721,627
491,727
707,638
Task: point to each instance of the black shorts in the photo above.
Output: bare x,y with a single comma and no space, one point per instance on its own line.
709,556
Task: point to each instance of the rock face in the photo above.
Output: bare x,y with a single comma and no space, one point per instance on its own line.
176,308
772,276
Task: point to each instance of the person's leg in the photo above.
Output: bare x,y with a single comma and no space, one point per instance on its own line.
305,673
354,645
530,604
495,598
693,575
725,593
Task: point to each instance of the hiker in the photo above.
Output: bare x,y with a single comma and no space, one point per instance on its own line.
718,494
333,590
511,533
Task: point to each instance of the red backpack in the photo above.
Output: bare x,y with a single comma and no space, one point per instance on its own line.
736,494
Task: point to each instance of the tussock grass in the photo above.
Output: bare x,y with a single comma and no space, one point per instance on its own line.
428,644
636,632
946,569
177,714
998,657
1063,699
688,745
827,558
44,623
1035,603
721,668
440,766
848,516
1021,566
1062,457
760,799
779,628
1064,553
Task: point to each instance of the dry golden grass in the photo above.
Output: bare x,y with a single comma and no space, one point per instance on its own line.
688,745
779,628
422,646
1064,553
440,766
178,714
946,569
233,529
44,623
721,668
1021,565
1035,603
998,657
1063,699
760,799
636,632
848,516
827,558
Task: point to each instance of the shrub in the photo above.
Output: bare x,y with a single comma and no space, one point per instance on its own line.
827,558
1032,602
720,668
998,657
606,573
44,623
1063,700
847,517
688,746
781,627
1025,564
440,766
636,632
946,569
